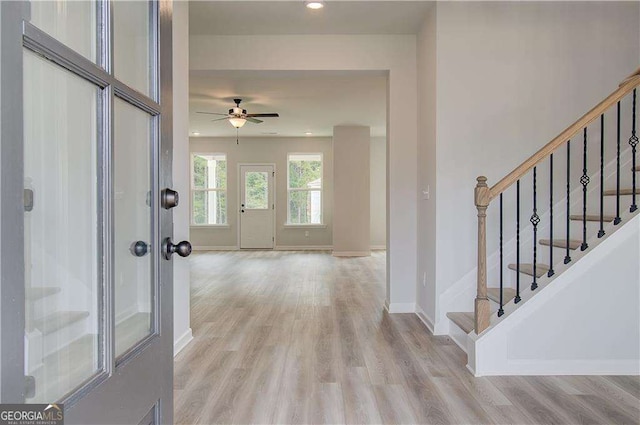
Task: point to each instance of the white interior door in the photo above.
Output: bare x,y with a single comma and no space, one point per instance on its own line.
257,206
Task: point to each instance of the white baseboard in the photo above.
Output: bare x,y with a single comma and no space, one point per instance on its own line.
182,342
378,247
304,248
424,319
400,307
215,248
351,253
565,367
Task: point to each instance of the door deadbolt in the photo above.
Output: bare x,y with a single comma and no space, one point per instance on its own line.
139,248
170,198
183,249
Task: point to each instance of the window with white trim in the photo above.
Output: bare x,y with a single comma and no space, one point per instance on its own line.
208,189
304,188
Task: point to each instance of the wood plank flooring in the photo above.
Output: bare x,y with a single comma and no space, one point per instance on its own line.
302,338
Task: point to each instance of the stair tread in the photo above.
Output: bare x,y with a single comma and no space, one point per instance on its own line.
58,320
612,192
464,320
593,217
35,293
507,294
527,268
562,243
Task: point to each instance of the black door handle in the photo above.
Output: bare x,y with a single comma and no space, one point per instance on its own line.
183,249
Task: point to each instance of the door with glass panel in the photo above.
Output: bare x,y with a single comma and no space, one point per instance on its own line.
257,207
85,151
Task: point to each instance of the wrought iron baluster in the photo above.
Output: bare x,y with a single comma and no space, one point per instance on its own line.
617,220
584,181
535,220
501,310
551,272
567,257
633,141
601,231
517,298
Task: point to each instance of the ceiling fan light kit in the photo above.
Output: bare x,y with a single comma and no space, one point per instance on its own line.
238,117
237,122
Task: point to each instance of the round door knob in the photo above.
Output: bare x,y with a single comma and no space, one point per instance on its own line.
139,248
183,249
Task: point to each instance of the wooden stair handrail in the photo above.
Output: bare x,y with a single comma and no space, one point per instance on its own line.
625,87
635,73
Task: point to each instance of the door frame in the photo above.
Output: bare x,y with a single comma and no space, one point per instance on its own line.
239,201
118,379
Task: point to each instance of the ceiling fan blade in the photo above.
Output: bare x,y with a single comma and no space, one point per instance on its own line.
253,120
220,119
273,115
210,113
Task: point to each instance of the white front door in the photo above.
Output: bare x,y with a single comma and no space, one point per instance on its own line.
257,206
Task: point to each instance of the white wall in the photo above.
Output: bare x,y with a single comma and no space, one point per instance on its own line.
378,197
267,150
586,322
509,77
395,54
181,279
351,200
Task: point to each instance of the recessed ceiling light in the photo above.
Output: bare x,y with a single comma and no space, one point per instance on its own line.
308,133
314,4
195,133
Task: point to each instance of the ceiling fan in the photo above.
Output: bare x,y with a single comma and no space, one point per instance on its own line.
237,116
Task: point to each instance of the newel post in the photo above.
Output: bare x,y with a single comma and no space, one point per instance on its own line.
482,305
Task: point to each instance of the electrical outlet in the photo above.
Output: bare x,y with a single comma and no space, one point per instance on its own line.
424,279
306,233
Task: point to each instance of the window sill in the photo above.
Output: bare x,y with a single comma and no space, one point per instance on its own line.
304,226
210,226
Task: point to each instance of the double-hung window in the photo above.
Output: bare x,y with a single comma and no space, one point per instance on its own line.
304,188
208,189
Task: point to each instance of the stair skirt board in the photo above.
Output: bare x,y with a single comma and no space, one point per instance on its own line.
551,367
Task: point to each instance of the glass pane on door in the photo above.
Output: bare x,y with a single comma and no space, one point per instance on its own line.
70,22
62,255
256,190
133,234
132,44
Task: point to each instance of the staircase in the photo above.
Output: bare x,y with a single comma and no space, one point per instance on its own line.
546,216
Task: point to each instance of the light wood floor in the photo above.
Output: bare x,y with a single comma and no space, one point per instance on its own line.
301,337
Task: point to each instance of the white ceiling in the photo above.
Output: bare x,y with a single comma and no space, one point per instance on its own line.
291,17
306,101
